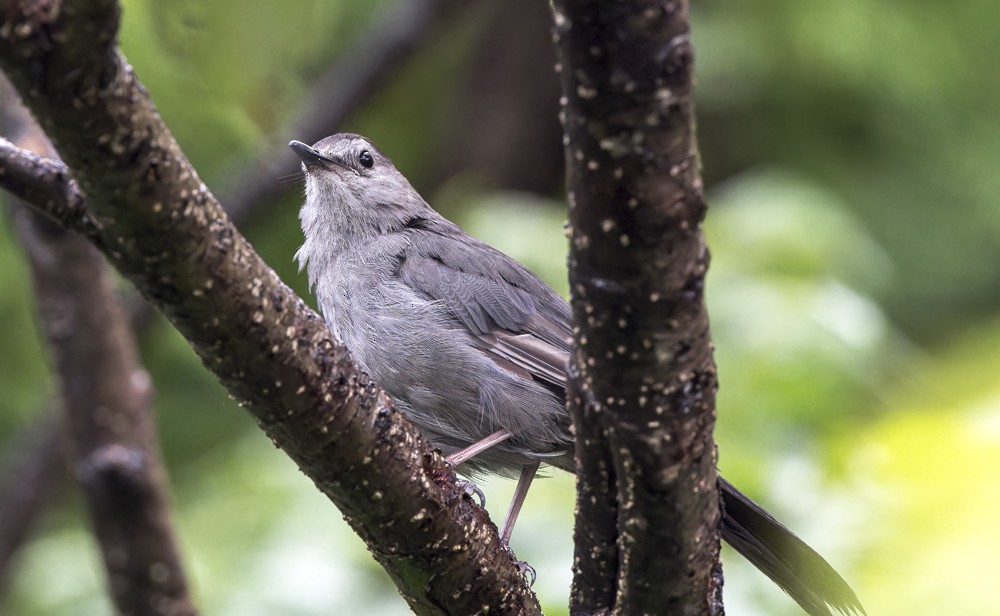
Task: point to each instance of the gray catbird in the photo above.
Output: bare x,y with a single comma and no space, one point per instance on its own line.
473,347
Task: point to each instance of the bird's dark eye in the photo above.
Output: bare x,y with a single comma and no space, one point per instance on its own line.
366,160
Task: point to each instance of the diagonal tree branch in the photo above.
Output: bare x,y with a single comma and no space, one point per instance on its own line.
644,379
160,227
110,437
357,74
338,93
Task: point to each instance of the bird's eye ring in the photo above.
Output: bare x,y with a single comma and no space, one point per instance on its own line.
366,160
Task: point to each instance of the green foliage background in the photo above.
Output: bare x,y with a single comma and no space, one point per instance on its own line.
850,151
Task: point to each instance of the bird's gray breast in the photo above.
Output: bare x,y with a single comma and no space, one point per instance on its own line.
365,304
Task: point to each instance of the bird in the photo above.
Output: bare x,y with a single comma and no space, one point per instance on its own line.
473,347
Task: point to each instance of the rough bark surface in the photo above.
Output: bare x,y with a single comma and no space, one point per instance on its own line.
644,398
161,228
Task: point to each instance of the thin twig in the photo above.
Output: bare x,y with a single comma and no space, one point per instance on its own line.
47,185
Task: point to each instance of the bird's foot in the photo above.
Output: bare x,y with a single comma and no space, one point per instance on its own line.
527,571
522,566
473,491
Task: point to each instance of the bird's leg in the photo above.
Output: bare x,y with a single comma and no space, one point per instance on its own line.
520,492
473,450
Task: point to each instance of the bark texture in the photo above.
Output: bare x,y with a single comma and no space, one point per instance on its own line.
159,225
643,401
47,186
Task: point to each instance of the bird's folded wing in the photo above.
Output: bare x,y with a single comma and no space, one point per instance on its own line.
542,360
514,329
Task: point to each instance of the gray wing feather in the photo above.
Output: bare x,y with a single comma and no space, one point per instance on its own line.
521,323
535,355
481,304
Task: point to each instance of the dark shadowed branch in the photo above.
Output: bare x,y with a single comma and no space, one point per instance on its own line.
644,394
511,83
341,91
110,438
32,474
161,228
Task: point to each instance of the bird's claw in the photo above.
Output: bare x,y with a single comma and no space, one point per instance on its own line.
527,571
473,491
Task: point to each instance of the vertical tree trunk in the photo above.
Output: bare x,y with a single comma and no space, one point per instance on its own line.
643,397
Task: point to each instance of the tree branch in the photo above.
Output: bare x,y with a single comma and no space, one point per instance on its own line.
337,94
110,436
161,228
643,406
31,474
48,186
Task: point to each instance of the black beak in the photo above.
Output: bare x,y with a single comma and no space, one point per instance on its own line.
310,157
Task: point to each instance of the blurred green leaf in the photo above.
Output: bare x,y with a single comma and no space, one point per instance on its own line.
927,470
23,366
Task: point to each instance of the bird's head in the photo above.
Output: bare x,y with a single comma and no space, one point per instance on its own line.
353,193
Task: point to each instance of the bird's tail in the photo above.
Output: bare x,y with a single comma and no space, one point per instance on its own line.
783,557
